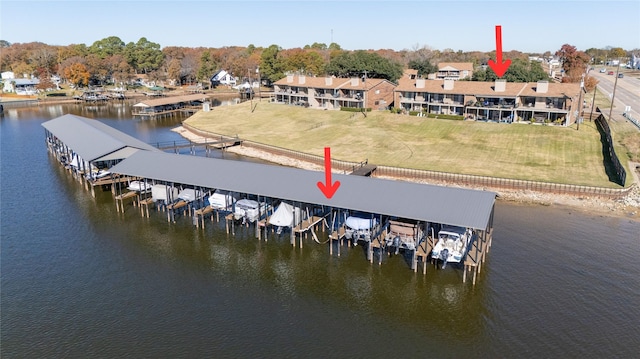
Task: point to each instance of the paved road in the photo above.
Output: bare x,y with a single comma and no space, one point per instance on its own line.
627,93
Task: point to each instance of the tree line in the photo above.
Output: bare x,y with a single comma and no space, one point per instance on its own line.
111,60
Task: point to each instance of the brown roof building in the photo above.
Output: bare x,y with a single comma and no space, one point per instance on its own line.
333,92
498,101
454,71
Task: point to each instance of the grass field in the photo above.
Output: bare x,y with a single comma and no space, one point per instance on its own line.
521,151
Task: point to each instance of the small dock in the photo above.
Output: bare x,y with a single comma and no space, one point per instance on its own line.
363,169
207,144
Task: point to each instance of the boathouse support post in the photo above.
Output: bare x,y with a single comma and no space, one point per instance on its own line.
464,273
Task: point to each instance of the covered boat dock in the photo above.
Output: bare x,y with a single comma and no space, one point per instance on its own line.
168,106
88,148
424,204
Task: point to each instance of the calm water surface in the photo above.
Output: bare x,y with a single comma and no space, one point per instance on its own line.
81,280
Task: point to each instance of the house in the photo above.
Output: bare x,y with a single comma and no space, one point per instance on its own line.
21,86
454,71
498,101
222,77
333,92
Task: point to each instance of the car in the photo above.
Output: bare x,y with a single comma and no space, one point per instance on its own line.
610,73
620,76
603,71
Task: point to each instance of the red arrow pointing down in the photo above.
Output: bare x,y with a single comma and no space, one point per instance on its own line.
328,188
498,66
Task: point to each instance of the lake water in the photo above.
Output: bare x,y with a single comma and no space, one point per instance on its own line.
80,279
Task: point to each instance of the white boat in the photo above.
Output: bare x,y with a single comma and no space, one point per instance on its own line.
221,200
138,186
161,192
190,195
359,228
452,244
248,210
285,215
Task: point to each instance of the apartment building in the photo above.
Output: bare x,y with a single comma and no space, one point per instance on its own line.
498,101
454,71
333,93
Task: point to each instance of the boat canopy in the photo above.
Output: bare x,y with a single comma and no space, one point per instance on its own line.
285,215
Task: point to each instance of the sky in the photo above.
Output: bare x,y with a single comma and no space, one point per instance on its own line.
529,26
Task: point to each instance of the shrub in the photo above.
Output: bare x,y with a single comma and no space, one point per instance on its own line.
355,109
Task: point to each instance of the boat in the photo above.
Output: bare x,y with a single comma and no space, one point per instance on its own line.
248,210
222,200
190,195
139,186
402,235
285,215
452,244
161,192
358,228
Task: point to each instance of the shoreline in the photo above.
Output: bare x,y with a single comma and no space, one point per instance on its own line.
627,207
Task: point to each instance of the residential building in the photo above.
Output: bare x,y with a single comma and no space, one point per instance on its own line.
334,93
498,101
222,77
454,71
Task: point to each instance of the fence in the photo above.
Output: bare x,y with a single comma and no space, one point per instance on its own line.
500,183
605,131
445,177
628,116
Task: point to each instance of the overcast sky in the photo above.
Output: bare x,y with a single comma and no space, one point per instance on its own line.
527,26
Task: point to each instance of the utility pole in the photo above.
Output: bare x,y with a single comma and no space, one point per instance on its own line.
259,83
580,107
613,95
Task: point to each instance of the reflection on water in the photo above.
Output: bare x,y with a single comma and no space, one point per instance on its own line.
80,279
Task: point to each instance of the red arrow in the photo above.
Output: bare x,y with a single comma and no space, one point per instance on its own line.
327,188
498,66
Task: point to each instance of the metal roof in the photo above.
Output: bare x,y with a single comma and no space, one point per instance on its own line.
92,140
439,204
170,100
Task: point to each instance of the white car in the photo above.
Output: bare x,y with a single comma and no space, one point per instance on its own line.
603,70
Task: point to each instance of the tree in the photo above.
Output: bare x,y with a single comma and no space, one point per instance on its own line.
77,74
107,47
207,66
519,71
617,53
272,65
174,70
424,67
144,56
590,83
574,62
305,61
359,63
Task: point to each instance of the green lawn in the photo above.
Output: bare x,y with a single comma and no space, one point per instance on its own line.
521,151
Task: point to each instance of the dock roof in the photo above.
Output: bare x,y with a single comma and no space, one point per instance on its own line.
170,100
439,204
93,140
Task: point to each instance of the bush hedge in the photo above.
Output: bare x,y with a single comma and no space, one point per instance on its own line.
355,109
433,115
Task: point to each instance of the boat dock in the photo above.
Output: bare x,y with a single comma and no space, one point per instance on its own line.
208,144
168,106
403,214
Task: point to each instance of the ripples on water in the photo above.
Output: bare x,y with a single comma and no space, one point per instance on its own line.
80,279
